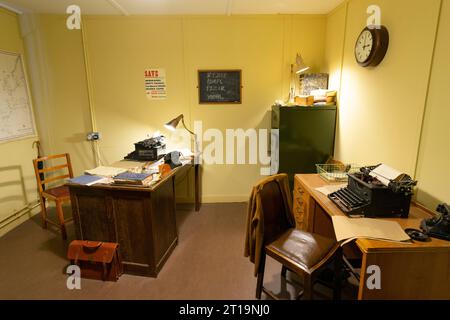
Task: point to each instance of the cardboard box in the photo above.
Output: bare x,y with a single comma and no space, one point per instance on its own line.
304,100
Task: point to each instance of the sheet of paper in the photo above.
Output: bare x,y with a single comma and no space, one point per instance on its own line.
347,228
385,174
328,189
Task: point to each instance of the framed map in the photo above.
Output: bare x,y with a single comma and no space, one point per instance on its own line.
313,81
16,112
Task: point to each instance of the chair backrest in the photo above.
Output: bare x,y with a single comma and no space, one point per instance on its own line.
40,170
274,209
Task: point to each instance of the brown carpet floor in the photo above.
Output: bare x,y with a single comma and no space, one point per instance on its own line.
208,263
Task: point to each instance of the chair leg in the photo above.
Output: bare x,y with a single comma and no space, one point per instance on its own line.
259,281
307,287
283,271
43,213
337,276
60,212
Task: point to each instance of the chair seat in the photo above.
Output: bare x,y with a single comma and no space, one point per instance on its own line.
57,192
304,249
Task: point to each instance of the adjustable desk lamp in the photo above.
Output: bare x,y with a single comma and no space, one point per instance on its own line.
172,125
296,68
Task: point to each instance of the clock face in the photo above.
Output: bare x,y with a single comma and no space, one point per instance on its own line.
364,46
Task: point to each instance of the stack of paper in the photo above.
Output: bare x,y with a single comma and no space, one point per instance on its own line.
347,229
106,171
131,166
325,96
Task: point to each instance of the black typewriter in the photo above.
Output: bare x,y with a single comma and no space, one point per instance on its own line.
148,150
366,196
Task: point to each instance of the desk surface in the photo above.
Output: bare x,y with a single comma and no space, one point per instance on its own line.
176,171
312,181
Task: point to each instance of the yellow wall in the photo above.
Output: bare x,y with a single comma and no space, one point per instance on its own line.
17,182
434,155
334,45
381,109
56,62
118,49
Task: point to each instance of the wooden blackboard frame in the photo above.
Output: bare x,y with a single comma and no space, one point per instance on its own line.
219,102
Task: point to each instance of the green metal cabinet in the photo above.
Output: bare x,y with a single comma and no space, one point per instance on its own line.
305,138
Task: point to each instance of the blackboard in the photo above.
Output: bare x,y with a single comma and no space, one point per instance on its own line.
219,86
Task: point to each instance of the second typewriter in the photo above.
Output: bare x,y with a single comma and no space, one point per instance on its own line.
367,196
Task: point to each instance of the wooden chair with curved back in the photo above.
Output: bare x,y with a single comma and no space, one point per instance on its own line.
301,252
57,192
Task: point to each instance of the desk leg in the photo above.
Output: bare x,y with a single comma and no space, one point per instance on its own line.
197,187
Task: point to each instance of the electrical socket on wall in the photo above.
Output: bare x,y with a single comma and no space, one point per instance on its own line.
92,136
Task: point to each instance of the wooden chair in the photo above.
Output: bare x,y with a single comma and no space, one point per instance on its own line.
58,194
304,253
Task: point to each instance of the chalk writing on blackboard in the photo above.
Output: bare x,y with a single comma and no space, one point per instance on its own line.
219,86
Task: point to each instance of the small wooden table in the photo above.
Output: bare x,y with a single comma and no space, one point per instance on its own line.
141,219
420,270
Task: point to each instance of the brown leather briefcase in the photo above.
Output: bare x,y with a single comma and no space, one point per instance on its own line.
97,260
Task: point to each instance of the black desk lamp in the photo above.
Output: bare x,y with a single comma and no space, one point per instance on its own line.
172,125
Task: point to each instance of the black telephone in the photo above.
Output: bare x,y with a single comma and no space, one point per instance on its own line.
173,159
439,226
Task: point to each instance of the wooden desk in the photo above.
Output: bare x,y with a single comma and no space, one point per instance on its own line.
140,219
420,270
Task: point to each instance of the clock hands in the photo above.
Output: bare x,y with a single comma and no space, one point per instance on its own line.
365,41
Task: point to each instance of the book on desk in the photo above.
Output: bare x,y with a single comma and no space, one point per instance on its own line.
131,178
88,180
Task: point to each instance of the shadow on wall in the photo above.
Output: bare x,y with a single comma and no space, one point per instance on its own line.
426,199
17,180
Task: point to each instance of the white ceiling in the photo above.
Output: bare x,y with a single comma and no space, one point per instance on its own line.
167,7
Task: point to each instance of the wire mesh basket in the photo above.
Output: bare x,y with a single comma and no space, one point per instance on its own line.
336,172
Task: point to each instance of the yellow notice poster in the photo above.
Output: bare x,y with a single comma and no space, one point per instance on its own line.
155,84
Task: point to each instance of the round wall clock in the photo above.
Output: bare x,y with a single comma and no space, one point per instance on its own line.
371,46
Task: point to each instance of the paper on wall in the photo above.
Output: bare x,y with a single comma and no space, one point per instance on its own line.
155,84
